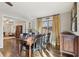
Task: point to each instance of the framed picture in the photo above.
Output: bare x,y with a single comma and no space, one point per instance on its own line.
74,18
72,13
74,24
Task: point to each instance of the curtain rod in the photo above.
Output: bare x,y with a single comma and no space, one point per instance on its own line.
48,16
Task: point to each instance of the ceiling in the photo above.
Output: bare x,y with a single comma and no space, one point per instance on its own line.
32,10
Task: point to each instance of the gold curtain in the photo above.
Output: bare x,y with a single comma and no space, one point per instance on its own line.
56,29
39,24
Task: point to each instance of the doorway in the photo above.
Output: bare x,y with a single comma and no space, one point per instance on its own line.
18,31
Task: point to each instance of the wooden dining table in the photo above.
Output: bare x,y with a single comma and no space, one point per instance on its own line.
29,41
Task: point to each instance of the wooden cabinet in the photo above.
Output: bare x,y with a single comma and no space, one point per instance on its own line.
69,44
78,46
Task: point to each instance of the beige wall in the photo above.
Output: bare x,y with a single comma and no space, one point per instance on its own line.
65,19
11,28
25,25
1,30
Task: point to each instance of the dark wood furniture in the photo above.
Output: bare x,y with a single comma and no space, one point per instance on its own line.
17,35
31,43
78,46
69,44
28,42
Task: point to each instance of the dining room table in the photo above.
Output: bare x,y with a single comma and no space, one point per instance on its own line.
29,41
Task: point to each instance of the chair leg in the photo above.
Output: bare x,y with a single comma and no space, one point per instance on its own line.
61,54
27,53
21,49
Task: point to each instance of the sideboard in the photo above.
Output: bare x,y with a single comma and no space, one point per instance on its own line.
69,44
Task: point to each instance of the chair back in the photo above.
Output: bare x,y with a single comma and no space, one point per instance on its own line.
47,38
38,42
23,35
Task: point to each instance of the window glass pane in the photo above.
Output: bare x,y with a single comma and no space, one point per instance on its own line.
45,24
50,23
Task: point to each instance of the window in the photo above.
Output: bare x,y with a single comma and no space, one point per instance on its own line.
47,24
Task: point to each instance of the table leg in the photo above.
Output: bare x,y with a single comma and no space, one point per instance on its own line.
30,51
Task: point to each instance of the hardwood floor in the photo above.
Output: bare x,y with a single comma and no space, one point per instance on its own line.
10,49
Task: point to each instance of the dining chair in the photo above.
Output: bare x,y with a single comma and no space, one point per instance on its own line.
38,44
43,40
46,40
23,43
